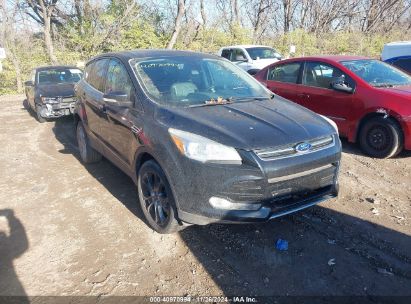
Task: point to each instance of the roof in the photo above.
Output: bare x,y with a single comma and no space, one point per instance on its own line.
246,46
153,53
396,43
335,58
49,67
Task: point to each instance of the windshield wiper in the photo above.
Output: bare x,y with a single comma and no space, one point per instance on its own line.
214,102
384,85
249,98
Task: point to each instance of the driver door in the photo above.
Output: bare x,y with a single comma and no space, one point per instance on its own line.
321,98
239,57
119,121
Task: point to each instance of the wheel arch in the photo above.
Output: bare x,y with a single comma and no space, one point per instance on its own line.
143,155
378,113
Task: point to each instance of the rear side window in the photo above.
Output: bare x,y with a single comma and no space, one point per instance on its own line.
403,63
285,72
321,75
118,79
226,54
95,74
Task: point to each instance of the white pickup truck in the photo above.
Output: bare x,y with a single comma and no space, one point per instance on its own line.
250,58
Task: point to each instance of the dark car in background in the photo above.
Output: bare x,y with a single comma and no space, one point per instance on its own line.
369,100
398,54
50,91
202,139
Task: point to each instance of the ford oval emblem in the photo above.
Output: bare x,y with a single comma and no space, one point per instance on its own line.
303,147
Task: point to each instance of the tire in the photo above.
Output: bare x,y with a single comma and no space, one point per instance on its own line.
26,104
381,137
156,199
40,118
87,153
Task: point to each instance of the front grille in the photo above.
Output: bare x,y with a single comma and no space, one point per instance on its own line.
290,150
293,201
308,180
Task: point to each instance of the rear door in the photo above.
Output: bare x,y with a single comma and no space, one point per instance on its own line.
283,80
92,95
321,98
121,122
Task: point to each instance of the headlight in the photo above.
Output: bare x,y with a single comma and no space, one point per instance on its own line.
203,149
49,99
331,123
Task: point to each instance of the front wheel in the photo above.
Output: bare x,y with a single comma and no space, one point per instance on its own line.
381,137
156,198
40,118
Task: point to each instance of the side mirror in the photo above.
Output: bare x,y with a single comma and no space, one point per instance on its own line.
29,83
118,99
342,87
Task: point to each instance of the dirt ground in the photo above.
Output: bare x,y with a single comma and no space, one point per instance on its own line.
71,229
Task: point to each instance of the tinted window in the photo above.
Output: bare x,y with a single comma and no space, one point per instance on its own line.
317,74
96,74
226,54
60,75
118,79
404,63
285,72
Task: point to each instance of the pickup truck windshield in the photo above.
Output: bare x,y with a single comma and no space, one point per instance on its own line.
56,76
185,81
263,53
377,73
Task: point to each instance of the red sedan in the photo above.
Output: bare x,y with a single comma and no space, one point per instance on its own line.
370,101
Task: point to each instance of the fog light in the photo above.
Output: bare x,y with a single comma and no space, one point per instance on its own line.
222,203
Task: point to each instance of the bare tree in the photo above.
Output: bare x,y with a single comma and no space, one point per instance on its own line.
235,12
203,13
177,24
8,39
44,10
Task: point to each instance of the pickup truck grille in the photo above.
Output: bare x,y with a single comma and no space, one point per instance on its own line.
290,150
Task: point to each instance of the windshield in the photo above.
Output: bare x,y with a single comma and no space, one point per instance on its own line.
56,76
263,53
377,73
191,80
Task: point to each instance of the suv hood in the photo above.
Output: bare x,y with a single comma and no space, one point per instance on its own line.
56,90
249,125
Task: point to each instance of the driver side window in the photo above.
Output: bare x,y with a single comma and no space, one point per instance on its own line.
238,55
118,79
322,75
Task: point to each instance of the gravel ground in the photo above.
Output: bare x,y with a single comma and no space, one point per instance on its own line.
70,229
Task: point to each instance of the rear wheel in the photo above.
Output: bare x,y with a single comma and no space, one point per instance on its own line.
87,153
156,198
381,137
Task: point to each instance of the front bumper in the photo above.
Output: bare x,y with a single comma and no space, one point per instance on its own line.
55,110
273,188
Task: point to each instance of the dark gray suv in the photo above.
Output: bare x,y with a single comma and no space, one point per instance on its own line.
203,141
